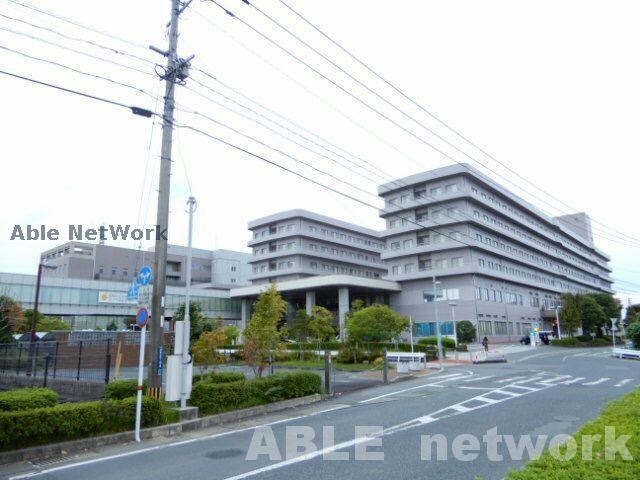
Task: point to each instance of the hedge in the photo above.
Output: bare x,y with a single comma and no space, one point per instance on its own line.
622,414
27,398
220,377
213,398
566,342
121,389
446,342
69,421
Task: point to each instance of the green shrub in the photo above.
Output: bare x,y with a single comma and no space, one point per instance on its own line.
565,342
283,386
74,420
633,333
27,398
350,354
465,331
223,377
121,389
213,398
447,342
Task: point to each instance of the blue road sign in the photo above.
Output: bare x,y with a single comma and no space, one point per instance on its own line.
145,276
142,317
134,291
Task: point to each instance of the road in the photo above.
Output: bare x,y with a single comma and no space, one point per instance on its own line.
548,391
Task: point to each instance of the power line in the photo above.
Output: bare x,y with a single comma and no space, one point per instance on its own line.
455,219
78,52
433,116
75,70
135,110
79,25
116,51
366,104
306,89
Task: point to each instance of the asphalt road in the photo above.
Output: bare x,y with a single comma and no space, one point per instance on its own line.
548,391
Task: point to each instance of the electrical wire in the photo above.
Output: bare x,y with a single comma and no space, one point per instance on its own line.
366,104
436,118
116,51
79,24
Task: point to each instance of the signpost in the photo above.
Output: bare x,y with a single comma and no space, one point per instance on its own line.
142,318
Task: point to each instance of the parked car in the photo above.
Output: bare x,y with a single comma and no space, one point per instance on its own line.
526,340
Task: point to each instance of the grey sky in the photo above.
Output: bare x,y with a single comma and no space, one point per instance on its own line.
548,87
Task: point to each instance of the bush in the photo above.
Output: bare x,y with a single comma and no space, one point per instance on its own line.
447,342
283,386
220,377
27,398
121,389
350,354
565,342
633,333
213,398
466,331
74,420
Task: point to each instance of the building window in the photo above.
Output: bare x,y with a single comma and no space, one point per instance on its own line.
478,293
395,246
484,328
408,268
436,191
441,263
485,294
395,270
395,223
407,243
113,270
457,261
501,328
451,188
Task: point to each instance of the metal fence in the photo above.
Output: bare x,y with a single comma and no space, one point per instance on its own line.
89,361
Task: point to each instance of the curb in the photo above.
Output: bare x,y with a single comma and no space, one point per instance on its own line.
77,446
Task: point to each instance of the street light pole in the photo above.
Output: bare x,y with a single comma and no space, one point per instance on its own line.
34,320
186,331
558,322
438,331
455,331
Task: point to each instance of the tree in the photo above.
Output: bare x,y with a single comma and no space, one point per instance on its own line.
11,318
610,305
466,331
112,327
633,333
232,332
262,335
44,323
199,323
299,330
570,313
593,316
377,323
633,314
205,350
321,325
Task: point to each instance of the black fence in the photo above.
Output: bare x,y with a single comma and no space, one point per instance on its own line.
88,361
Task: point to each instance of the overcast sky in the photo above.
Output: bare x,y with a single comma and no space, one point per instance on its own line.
549,88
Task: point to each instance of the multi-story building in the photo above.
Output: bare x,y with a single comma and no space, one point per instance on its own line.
500,262
219,268
91,304
452,235
315,259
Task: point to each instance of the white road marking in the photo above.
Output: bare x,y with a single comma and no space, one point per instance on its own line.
554,379
597,382
478,379
168,445
507,380
444,378
623,382
573,380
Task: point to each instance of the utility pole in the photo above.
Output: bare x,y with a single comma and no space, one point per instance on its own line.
186,328
438,330
176,71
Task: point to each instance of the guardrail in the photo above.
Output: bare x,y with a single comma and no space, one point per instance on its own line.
626,353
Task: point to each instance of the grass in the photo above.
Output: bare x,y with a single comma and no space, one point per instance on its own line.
624,415
319,364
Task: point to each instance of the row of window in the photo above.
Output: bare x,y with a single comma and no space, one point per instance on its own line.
420,192
493,295
426,263
338,235
488,327
511,211
441,294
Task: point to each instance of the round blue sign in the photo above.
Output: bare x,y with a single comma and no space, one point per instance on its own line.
142,317
145,276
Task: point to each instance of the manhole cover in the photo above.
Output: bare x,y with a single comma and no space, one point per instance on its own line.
228,453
